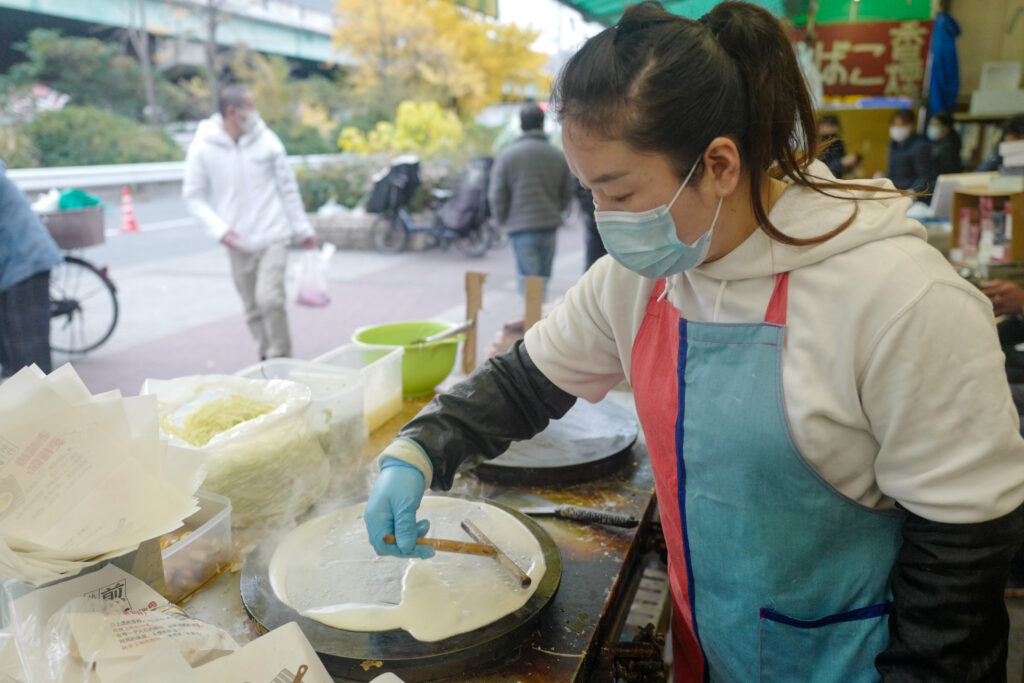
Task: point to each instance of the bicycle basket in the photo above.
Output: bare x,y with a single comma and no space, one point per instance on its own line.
76,228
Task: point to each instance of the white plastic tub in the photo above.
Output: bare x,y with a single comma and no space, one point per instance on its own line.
382,378
336,414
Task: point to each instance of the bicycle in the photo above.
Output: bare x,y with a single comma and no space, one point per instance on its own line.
461,223
83,298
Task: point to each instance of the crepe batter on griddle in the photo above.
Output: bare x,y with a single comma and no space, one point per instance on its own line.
326,570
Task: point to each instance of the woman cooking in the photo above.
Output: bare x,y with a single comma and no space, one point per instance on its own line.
834,445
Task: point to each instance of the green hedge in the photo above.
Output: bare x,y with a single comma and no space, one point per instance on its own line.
85,136
348,181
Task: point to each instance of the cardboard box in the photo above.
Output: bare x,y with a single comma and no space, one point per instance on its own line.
970,198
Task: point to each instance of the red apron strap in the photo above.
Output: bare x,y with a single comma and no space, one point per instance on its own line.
776,312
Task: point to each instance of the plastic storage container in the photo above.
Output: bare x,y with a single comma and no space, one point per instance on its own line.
199,549
382,378
336,414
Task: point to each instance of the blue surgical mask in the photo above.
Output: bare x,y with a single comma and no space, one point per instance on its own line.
646,241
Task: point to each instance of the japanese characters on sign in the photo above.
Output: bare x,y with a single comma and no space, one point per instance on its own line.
883,58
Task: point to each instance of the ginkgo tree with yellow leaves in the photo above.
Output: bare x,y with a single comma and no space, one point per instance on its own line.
434,50
422,127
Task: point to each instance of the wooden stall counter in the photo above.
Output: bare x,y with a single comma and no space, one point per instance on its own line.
574,637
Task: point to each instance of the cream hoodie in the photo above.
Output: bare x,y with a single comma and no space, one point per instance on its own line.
892,372
246,186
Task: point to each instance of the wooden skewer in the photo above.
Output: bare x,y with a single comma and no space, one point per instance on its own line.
503,559
448,546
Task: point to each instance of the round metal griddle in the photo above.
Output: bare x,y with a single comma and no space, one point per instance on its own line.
590,441
362,656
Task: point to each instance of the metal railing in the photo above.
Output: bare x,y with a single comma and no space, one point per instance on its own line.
116,175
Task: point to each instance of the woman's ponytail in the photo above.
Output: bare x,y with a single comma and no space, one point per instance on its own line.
669,85
781,131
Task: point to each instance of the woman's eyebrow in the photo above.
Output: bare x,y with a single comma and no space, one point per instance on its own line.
608,177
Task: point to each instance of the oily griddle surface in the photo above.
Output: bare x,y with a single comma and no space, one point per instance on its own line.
590,441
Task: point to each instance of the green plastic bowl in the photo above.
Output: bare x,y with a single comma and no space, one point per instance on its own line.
424,366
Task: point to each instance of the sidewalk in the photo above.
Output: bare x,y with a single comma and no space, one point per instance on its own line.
181,315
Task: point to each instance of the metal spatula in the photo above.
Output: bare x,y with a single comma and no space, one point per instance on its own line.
535,506
444,334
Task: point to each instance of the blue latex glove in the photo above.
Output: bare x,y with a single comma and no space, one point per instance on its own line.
392,510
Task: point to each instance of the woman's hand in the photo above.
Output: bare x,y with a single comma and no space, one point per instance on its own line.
391,509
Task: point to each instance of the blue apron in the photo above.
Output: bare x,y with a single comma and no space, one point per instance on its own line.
775,575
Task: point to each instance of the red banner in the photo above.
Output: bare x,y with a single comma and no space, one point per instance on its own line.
884,58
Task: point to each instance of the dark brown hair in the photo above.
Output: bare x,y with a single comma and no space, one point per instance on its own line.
671,85
531,117
231,96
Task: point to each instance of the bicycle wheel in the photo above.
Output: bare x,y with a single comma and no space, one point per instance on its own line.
83,306
476,242
389,234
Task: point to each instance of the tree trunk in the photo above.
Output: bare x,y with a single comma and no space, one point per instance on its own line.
213,77
140,42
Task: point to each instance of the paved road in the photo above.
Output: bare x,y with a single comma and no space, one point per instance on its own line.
180,315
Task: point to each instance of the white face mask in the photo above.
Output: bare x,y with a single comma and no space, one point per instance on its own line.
250,122
646,241
935,132
899,133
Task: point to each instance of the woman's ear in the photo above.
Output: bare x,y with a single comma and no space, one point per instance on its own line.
722,160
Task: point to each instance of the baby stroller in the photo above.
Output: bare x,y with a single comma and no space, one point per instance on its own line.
460,218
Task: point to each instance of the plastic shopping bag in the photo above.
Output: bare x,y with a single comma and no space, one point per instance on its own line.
312,280
261,451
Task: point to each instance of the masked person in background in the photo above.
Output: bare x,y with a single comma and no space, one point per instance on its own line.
910,154
1013,130
239,184
833,149
799,357
946,144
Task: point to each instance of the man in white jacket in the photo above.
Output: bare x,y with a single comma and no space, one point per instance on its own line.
239,184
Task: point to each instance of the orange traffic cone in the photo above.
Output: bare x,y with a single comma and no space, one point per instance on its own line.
128,222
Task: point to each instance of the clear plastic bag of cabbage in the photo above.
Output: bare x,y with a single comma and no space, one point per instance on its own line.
260,450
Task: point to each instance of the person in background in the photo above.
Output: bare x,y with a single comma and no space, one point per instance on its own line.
592,238
832,148
27,254
1008,300
799,358
239,184
910,155
530,188
946,144
1013,130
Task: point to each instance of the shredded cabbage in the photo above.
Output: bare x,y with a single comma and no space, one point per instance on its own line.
213,417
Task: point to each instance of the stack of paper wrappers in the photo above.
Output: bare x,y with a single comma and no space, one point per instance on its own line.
83,477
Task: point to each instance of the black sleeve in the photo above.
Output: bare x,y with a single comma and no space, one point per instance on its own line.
506,399
949,619
832,156
921,159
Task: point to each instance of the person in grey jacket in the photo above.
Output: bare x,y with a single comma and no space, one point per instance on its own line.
530,188
27,253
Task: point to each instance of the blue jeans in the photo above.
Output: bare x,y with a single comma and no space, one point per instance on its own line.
534,251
